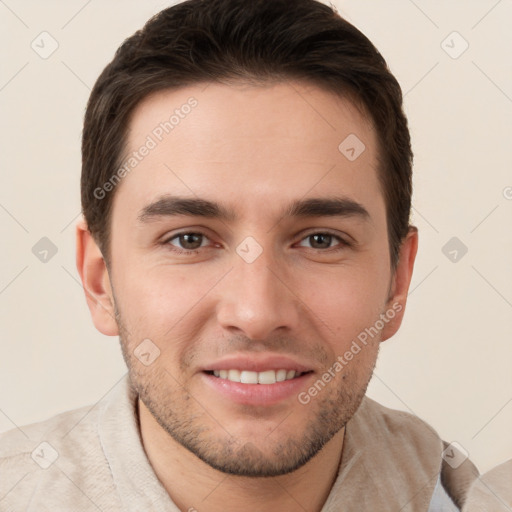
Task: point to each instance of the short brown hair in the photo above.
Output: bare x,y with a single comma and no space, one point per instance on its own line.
245,40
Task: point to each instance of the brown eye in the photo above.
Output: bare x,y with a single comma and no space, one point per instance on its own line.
321,241
188,241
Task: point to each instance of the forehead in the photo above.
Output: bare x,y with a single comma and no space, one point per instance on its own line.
252,145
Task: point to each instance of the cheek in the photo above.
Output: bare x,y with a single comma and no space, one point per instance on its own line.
158,302
344,302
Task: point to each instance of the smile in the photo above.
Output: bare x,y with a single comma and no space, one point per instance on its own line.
250,377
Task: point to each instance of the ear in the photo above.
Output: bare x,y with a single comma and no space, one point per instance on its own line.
95,280
401,279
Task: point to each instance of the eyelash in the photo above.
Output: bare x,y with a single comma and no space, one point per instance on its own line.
343,244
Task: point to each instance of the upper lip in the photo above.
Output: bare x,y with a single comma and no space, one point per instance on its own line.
257,363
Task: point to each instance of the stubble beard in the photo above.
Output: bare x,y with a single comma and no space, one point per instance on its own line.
206,435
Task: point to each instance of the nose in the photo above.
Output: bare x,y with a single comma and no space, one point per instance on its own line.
257,298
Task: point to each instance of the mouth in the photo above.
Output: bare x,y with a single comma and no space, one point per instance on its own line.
264,377
256,379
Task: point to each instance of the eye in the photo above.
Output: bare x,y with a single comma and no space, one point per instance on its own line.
188,241
322,241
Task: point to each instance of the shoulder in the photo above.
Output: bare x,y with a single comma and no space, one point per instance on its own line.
42,455
492,490
21,439
397,423
413,438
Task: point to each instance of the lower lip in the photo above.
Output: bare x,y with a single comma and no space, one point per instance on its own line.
257,394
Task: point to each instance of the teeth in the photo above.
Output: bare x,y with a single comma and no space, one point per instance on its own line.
234,375
280,375
247,377
268,377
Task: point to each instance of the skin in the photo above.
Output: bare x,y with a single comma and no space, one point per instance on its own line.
254,150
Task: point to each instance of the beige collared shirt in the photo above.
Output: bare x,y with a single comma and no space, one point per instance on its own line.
92,459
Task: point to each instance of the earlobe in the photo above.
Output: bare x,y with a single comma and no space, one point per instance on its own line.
400,283
95,280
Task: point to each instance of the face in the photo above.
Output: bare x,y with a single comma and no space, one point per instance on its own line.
249,252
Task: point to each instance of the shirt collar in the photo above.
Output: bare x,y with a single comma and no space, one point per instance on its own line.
389,457
136,482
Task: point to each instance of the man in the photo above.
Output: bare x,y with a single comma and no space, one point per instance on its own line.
246,189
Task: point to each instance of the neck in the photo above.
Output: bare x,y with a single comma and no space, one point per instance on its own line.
195,486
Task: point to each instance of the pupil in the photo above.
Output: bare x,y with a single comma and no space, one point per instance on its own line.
191,241
321,240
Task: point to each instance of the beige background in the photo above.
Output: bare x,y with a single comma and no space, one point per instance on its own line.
451,362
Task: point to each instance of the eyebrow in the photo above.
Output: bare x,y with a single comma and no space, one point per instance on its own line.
169,206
